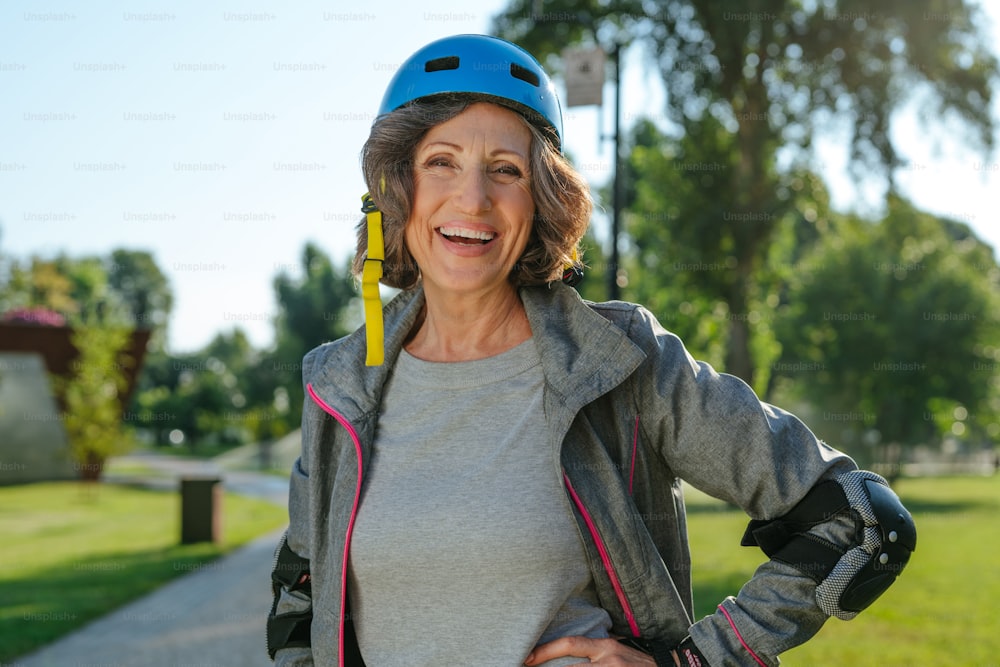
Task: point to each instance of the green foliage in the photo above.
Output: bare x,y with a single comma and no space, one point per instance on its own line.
229,393
774,71
896,324
312,310
92,396
223,395
125,288
686,258
745,83
312,307
143,291
39,283
215,396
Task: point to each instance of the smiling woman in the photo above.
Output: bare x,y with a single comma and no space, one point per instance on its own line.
472,203
561,196
505,488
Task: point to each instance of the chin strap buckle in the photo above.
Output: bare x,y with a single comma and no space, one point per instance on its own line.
573,272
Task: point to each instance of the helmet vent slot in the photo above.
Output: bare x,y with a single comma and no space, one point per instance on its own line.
524,74
439,64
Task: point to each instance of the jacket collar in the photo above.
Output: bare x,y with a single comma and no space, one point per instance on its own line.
583,354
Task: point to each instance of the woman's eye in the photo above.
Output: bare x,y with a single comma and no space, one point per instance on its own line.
437,161
508,170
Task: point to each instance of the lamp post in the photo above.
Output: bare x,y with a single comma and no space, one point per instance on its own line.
584,86
614,289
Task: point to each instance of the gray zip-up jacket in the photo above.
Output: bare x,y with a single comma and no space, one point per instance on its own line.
630,414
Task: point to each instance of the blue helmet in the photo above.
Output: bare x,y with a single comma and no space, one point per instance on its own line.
483,66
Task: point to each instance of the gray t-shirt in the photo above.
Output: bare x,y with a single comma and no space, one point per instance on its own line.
465,550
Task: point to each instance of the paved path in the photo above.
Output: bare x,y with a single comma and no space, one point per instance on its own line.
165,471
212,617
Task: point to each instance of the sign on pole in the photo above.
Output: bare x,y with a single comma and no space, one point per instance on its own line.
584,76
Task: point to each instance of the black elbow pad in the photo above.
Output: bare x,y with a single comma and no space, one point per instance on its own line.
847,581
888,535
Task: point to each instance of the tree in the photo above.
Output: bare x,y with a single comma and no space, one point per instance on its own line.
39,283
671,262
143,291
258,409
101,297
683,242
893,328
312,310
92,396
229,393
215,396
126,287
772,75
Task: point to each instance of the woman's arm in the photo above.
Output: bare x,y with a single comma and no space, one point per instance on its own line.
290,619
715,433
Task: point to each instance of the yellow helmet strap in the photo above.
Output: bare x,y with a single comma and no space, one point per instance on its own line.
371,274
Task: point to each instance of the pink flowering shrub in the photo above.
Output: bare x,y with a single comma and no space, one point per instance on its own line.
34,315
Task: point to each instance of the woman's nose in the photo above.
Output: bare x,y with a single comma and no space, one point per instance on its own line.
472,191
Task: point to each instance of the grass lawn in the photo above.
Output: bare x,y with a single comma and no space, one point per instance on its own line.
73,552
70,555
940,611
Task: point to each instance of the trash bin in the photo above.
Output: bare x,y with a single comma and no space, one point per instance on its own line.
201,509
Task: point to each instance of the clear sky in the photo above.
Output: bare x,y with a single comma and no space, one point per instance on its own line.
221,136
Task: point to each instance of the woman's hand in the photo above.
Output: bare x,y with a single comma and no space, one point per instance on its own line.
608,652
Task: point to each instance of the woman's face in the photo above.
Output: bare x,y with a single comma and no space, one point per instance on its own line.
472,204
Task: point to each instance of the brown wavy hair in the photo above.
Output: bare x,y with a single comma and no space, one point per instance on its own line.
562,197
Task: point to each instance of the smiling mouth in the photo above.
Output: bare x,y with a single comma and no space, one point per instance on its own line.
466,236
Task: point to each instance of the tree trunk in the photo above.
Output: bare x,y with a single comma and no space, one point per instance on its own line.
92,467
751,229
738,359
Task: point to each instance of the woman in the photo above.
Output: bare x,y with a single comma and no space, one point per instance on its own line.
491,467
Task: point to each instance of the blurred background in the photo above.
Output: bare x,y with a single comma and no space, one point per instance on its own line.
803,190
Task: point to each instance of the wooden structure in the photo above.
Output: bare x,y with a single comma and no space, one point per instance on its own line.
33,443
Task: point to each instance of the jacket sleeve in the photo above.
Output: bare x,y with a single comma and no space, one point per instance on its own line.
716,434
290,619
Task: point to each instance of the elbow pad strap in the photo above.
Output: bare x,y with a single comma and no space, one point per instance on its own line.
787,540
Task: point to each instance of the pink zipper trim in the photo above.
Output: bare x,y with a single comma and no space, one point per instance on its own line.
740,637
635,445
354,509
606,559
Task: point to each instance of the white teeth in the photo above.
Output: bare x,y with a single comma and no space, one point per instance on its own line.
467,233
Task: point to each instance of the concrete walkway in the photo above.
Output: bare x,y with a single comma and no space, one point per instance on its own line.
163,471
213,617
